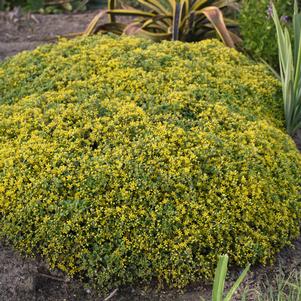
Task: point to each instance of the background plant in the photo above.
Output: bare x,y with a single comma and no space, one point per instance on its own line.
258,30
183,20
45,6
282,287
290,69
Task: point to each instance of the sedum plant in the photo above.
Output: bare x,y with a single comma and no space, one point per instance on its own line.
185,20
146,161
290,69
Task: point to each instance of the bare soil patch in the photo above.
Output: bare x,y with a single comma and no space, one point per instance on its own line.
297,139
25,279
20,32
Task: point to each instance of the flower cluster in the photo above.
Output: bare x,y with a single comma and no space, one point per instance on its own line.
122,160
284,19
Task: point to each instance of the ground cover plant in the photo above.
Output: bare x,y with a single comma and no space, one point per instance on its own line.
122,160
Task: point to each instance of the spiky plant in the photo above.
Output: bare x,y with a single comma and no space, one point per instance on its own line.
289,49
185,20
220,277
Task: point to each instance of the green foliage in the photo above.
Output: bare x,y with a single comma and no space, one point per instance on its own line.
290,69
183,20
220,277
124,160
132,3
45,6
7,4
258,30
282,287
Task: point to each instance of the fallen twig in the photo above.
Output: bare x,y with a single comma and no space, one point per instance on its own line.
52,277
111,295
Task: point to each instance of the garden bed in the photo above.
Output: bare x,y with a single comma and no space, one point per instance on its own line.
32,279
24,279
19,31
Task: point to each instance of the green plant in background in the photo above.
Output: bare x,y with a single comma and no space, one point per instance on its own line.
290,69
65,5
45,6
8,4
281,287
184,20
220,277
258,30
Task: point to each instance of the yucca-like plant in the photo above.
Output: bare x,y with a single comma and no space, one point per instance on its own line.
220,277
290,69
185,20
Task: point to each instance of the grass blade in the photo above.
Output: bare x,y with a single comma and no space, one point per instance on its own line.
237,283
219,279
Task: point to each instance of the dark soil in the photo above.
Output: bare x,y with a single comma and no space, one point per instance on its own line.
297,139
20,32
23,279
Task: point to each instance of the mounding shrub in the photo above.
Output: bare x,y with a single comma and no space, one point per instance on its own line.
122,160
